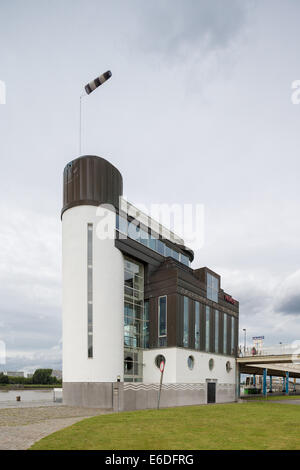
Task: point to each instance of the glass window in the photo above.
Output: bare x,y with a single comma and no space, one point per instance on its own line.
184,259
144,237
216,331
90,288
153,243
207,325
162,316
168,251
191,362
185,322
197,325
134,323
175,255
225,335
122,224
146,329
160,246
212,287
134,231
232,335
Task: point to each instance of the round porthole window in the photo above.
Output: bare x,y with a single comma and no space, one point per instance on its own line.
191,362
211,364
228,366
159,359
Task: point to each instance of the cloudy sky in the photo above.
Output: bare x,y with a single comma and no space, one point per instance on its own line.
198,110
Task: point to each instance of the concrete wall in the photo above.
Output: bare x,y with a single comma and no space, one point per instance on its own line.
107,396
139,396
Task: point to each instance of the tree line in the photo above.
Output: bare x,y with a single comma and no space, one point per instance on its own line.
40,377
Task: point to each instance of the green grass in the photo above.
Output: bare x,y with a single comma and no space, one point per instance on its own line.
259,425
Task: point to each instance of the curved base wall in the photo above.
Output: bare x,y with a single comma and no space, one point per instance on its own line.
106,364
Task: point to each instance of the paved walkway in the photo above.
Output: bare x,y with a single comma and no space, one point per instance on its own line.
21,427
287,402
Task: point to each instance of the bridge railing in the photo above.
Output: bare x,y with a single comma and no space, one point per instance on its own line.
275,350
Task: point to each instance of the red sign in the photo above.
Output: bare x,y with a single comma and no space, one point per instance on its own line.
229,299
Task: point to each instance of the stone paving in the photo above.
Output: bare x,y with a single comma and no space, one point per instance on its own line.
21,427
287,402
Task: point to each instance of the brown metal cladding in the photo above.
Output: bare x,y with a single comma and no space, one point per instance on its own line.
91,180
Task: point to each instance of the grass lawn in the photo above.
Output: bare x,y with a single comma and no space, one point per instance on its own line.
259,425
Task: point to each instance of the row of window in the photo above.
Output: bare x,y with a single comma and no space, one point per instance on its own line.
136,233
190,362
162,327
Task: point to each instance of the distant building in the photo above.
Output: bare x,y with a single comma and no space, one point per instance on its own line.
14,373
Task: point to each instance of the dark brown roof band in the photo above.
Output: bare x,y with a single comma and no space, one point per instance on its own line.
92,180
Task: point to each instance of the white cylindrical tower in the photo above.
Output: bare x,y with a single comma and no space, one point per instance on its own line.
93,285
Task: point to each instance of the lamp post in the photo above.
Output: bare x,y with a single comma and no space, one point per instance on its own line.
89,88
245,332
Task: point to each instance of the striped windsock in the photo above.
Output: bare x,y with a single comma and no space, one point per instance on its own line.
97,82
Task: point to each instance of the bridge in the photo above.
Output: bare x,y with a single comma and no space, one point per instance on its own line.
273,362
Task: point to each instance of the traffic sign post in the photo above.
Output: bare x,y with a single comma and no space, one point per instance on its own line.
161,368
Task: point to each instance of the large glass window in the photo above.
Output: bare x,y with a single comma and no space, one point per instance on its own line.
136,320
185,322
216,331
133,303
207,328
225,335
162,316
212,287
197,325
90,288
232,335
146,329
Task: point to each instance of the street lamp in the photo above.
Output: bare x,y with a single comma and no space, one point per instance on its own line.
89,88
245,332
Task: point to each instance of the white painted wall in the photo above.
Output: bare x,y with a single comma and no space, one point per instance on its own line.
108,301
177,371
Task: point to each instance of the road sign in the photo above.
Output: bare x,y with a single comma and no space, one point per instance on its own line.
161,368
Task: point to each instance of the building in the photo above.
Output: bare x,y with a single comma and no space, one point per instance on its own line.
14,373
132,300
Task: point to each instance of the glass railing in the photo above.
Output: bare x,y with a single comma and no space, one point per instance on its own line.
136,233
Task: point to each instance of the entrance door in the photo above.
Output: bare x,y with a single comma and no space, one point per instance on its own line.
211,392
